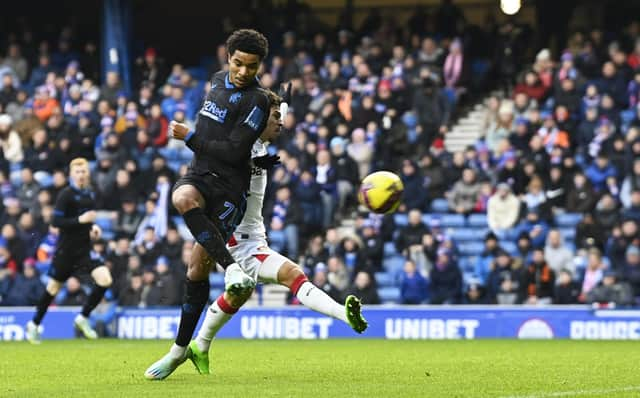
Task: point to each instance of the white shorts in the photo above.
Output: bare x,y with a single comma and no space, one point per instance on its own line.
256,258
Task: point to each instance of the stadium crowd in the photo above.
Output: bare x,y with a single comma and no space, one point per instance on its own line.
563,139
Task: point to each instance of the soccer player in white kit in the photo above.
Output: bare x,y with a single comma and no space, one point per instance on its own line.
250,249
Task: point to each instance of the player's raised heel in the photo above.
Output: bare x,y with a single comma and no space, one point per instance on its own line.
199,359
161,369
353,307
82,324
236,281
34,333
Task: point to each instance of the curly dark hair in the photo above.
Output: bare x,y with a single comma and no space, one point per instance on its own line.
248,41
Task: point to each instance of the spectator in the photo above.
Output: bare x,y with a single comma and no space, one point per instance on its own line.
412,233
446,280
607,212
631,183
621,238
531,86
610,290
326,178
503,282
503,209
631,269
485,262
74,294
109,91
538,280
307,192
283,216
44,106
413,288
556,254
172,247
360,151
23,289
464,195
433,111
599,171
592,275
148,247
315,254
535,227
128,218
475,294
16,62
9,140
364,288
320,280
632,212
566,290
581,198
415,194
28,191
589,233
157,126
372,247
347,172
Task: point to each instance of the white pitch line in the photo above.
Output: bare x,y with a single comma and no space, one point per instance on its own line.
576,393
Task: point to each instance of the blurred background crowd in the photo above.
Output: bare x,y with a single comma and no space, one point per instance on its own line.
543,207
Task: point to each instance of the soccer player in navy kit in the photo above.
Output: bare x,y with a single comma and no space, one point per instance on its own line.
74,215
211,196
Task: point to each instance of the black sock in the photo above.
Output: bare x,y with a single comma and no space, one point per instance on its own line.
195,298
42,306
207,234
93,300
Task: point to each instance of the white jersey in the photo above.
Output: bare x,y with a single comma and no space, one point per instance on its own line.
253,223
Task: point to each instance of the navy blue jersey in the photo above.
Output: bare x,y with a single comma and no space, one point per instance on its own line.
70,204
229,122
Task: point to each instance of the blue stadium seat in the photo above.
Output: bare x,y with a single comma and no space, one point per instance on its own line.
569,234
627,116
452,220
105,223
463,234
401,220
174,165
43,267
568,219
215,293
471,248
385,279
509,247
389,295
216,279
108,235
389,249
440,205
478,220
17,166
394,264
170,154
467,264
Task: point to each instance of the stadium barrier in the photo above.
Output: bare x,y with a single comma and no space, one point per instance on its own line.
390,322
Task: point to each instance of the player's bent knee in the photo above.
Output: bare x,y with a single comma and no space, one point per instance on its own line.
289,273
102,276
197,271
53,287
185,198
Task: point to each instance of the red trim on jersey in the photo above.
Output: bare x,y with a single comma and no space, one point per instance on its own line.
295,286
225,307
261,257
232,241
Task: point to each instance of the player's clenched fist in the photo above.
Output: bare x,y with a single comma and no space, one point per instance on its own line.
178,130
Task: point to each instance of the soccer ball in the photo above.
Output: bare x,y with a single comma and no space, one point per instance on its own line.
381,191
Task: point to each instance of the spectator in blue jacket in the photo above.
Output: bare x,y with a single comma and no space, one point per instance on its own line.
599,171
484,262
414,288
446,280
415,194
535,227
326,178
632,212
22,289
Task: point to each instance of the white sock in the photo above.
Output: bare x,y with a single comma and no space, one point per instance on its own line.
177,352
213,321
316,299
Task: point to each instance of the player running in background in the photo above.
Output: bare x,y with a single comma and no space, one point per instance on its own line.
211,196
74,216
249,247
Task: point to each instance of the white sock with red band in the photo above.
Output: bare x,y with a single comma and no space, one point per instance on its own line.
316,299
218,314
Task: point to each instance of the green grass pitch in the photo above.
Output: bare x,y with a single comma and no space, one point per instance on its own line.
328,368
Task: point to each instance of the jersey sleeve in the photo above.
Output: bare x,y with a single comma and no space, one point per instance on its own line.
250,123
60,210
